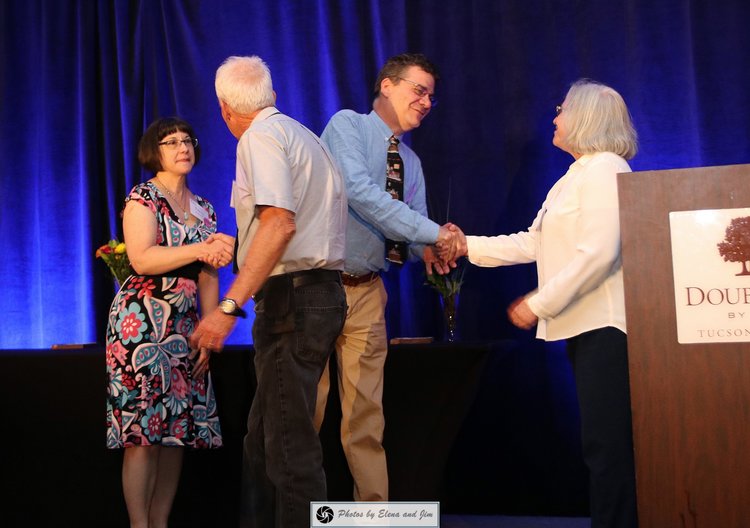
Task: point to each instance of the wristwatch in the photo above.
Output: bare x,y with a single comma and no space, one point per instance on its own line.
229,307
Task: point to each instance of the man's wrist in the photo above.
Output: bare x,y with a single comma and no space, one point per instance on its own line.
230,307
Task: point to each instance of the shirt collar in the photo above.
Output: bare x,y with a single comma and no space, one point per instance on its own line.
381,127
265,114
582,161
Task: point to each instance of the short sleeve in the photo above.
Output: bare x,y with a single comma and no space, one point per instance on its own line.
143,195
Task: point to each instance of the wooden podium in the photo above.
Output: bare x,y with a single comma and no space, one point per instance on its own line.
691,402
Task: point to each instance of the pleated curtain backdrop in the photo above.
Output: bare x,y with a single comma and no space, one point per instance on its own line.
80,80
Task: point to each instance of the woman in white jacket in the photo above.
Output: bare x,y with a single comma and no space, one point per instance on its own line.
575,242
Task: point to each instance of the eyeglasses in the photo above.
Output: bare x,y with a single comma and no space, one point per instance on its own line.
558,109
421,91
174,144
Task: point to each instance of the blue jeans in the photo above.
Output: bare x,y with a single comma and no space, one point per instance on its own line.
294,333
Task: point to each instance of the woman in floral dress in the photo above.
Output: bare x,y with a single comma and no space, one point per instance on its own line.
160,395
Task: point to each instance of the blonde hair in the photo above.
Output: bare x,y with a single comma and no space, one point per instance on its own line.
597,120
244,83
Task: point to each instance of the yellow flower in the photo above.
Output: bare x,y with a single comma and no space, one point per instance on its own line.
114,255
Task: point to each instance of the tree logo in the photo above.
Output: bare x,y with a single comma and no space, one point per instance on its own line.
324,514
736,245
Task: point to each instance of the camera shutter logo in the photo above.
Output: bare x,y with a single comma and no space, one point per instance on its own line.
324,514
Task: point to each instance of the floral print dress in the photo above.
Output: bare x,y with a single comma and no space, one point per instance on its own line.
152,397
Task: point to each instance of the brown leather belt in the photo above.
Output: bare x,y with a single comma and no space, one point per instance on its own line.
356,280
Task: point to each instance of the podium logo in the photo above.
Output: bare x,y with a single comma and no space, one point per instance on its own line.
736,245
324,514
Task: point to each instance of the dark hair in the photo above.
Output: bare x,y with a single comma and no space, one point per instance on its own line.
149,154
395,66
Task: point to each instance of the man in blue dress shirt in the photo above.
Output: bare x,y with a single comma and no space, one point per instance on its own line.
404,95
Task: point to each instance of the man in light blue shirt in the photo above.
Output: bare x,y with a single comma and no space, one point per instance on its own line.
404,95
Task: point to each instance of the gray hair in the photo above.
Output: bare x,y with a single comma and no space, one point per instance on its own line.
597,120
244,83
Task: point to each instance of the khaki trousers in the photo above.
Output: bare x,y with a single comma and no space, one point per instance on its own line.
361,350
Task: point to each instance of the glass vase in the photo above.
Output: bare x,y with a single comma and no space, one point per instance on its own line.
449,304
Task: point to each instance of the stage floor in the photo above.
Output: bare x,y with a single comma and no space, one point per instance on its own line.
490,521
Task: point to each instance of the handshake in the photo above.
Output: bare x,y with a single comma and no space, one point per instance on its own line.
217,250
450,246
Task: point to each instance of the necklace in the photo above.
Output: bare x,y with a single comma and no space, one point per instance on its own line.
185,214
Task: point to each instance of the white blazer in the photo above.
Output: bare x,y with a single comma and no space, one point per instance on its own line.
575,241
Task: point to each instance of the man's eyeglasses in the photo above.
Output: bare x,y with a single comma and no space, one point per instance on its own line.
558,109
174,144
421,91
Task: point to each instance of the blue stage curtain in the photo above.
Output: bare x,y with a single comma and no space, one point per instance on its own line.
80,80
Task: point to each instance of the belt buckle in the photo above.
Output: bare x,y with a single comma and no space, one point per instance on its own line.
350,279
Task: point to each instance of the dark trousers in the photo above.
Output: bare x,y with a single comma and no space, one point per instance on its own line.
294,334
600,366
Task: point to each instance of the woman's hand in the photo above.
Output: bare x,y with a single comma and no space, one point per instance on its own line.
451,244
219,250
521,315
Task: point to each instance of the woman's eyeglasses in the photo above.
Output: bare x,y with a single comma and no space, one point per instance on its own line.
173,144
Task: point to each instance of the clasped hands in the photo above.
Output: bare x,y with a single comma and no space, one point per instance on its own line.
218,250
450,246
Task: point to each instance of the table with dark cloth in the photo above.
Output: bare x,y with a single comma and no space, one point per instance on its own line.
428,390
60,473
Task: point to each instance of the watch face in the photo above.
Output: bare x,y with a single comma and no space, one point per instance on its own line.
228,306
